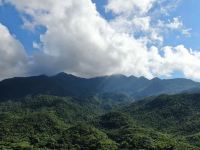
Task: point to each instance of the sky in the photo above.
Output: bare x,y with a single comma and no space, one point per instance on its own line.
88,38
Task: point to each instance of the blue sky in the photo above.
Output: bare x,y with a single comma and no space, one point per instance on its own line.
12,19
176,31
188,10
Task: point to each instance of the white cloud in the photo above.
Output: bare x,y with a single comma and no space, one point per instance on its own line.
36,45
12,55
176,58
174,24
78,40
187,32
167,6
129,6
184,60
143,23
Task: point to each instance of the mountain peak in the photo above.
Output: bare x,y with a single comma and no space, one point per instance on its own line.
133,77
66,75
118,76
156,79
143,78
61,74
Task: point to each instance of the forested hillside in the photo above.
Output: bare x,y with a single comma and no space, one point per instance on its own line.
52,122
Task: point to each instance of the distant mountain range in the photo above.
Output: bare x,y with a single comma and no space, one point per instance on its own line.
64,84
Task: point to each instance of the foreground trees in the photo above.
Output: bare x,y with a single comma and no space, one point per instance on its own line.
50,122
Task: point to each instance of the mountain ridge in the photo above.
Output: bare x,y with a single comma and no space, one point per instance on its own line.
63,84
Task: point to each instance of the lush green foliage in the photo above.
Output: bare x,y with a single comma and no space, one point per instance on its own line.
100,122
177,115
43,122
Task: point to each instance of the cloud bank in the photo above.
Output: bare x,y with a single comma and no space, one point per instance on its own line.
12,55
79,40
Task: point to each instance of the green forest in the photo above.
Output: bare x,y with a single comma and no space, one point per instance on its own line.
100,123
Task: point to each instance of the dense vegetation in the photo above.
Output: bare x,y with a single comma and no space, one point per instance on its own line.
50,122
177,115
105,122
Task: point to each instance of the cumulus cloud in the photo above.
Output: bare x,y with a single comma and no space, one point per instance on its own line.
138,7
184,60
176,58
78,40
12,55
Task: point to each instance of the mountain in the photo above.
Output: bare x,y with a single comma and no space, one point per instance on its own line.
64,84
69,112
